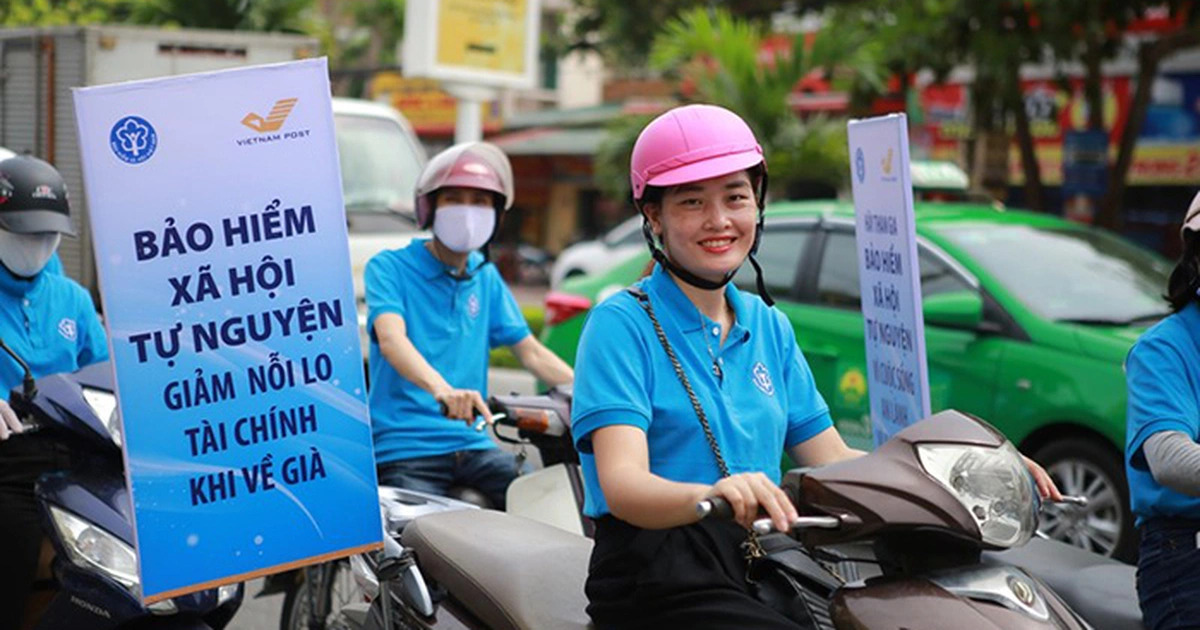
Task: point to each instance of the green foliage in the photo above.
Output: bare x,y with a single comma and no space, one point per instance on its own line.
613,154
623,30
720,55
63,12
291,16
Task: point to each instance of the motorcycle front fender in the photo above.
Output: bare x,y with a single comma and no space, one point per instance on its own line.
982,598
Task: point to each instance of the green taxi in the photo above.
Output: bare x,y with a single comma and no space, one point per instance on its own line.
1028,319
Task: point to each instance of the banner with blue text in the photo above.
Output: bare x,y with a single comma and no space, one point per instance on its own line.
220,236
889,274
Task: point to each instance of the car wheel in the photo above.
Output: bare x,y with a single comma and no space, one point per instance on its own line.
1087,467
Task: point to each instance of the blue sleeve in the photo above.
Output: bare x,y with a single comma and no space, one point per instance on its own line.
506,323
613,378
807,412
93,343
384,290
1160,395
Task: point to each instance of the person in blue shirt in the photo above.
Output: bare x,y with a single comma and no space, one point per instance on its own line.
49,321
699,180
1162,456
434,310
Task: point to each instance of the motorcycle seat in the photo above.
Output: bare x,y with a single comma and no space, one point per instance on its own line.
511,572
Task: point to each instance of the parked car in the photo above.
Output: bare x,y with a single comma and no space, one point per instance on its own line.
1028,321
380,159
587,257
932,180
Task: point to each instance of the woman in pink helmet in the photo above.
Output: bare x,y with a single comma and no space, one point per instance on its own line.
688,388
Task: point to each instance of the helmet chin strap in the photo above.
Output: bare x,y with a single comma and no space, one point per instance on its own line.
703,283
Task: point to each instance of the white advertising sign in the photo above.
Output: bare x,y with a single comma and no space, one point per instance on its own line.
220,237
889,276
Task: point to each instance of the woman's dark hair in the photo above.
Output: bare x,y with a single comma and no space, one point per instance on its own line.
1185,279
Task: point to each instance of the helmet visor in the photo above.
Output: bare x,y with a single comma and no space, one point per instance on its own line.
36,222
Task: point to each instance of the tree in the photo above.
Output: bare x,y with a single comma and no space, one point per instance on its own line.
722,57
289,16
993,37
623,31
1151,54
64,12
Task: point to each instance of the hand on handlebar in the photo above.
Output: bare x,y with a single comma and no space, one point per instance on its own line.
9,423
463,404
1045,484
747,493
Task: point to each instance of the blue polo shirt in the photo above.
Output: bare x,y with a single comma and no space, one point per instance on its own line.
51,323
453,324
1163,374
763,402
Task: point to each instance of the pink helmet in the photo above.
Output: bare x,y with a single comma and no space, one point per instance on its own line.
692,143
479,165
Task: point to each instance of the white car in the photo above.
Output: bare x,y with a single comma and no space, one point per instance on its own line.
380,160
588,257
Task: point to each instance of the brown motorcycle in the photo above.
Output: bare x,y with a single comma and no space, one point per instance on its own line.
916,515
895,539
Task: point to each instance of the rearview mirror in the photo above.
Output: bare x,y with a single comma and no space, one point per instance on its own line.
954,309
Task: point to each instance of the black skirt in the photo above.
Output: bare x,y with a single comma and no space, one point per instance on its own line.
683,577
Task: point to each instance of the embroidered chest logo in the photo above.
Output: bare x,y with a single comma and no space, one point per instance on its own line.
66,328
473,306
762,379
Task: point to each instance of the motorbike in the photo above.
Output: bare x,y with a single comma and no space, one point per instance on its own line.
916,534
334,594
87,513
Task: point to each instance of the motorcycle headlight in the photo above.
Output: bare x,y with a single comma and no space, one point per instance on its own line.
91,547
991,483
104,405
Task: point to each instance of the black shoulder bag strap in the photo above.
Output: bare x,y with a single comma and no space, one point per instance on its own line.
774,576
752,545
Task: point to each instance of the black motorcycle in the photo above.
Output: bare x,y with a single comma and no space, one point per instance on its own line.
87,513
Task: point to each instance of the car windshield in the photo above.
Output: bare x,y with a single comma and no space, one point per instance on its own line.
1077,275
379,164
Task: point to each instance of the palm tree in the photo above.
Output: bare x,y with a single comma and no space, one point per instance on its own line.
722,59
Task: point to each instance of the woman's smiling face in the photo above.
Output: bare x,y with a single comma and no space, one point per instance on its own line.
707,227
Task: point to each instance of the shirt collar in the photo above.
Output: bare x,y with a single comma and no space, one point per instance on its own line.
19,287
664,290
430,267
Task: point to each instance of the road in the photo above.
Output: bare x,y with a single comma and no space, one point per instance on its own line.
264,613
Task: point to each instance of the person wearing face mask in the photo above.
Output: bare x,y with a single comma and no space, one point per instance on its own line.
434,310
50,322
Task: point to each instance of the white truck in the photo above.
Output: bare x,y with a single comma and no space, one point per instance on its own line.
380,154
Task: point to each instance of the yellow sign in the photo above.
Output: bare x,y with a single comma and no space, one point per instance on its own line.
429,109
274,119
486,35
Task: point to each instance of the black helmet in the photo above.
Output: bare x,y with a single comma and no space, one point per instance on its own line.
33,197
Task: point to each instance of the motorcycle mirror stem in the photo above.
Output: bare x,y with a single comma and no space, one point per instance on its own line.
27,383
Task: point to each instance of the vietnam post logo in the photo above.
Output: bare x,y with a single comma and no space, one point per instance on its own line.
275,118
133,139
887,163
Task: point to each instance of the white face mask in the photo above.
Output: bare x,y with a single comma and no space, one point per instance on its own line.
464,228
27,254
